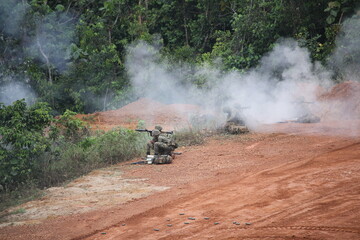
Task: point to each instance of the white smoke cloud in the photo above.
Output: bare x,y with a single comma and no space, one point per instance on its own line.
269,92
14,90
51,44
151,76
53,34
346,57
14,12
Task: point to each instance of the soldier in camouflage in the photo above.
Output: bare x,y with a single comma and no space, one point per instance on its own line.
164,149
165,146
234,122
155,138
306,115
233,115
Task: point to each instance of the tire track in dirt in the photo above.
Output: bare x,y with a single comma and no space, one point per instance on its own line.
331,193
315,228
201,204
286,180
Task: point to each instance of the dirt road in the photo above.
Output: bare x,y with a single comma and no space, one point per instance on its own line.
268,185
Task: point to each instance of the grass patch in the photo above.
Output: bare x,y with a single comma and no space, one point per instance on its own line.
70,160
22,194
89,118
18,211
65,161
192,136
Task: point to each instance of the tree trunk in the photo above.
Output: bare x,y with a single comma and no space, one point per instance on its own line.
48,65
185,25
105,99
140,17
341,16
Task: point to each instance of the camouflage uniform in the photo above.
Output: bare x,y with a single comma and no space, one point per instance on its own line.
155,134
164,149
234,123
233,128
165,146
307,116
155,138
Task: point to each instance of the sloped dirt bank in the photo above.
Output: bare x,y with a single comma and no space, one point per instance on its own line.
170,116
341,102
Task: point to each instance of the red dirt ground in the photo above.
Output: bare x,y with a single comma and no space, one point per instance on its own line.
152,112
286,181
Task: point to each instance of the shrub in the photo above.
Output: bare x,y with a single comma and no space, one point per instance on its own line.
117,146
39,151
66,151
67,125
22,193
188,137
68,160
21,141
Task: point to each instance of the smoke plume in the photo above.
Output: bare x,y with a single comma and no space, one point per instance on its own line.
53,35
266,94
50,43
13,14
14,90
346,57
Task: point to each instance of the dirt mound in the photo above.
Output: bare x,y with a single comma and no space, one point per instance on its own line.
170,116
342,102
342,91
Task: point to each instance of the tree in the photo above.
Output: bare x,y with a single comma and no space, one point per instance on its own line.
255,27
21,140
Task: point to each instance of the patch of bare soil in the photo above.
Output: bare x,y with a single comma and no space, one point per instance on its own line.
100,188
254,186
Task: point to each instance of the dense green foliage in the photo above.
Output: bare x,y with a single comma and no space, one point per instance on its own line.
22,140
39,149
71,53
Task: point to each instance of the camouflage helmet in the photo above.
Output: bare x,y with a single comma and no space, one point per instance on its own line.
158,127
155,132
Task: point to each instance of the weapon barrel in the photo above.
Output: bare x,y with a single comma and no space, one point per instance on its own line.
171,132
139,162
142,130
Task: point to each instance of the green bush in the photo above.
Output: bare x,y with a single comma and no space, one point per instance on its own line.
23,193
36,148
68,160
188,137
72,128
21,141
118,146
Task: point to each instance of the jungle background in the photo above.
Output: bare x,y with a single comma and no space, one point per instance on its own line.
71,53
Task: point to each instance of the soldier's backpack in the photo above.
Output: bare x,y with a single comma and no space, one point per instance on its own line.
162,159
233,128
